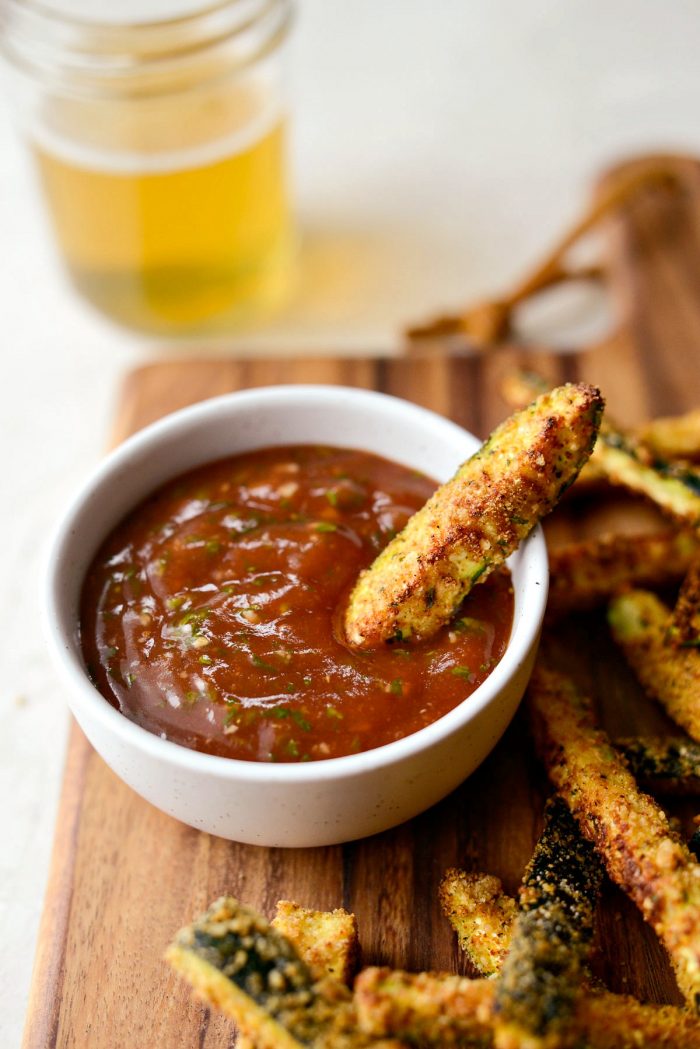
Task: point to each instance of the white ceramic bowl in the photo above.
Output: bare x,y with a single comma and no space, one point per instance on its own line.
315,803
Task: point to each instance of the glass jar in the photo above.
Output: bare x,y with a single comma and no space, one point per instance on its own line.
160,148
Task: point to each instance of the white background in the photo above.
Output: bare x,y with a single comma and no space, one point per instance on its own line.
438,147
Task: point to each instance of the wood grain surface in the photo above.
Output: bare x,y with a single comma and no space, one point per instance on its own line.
124,877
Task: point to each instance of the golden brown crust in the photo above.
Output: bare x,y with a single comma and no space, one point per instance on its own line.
473,522
674,487
327,941
481,914
641,852
446,1010
547,966
586,574
684,629
640,625
649,461
235,960
432,1008
674,437
613,1021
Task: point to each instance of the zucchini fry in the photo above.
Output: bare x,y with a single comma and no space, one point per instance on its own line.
685,621
546,967
519,388
675,437
481,914
433,1009
663,766
484,917
326,941
640,623
426,1008
236,961
674,487
584,575
626,461
641,852
473,522
672,437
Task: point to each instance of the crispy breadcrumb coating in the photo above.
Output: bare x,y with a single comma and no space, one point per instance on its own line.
327,941
641,852
473,522
586,574
481,914
546,968
437,1009
640,624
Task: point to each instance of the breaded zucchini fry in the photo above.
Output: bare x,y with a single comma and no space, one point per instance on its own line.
473,522
663,766
547,965
675,437
672,437
684,629
584,575
615,1021
326,941
519,388
484,917
236,961
432,1009
628,460
640,623
481,914
641,852
674,487
427,1008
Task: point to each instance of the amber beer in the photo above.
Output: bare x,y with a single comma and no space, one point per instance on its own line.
160,147
176,246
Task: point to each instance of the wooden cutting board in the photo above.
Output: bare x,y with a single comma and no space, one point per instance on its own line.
124,877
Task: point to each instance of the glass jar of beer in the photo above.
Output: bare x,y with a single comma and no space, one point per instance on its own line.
160,148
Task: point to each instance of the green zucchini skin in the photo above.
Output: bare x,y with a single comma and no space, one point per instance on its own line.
262,965
236,960
664,766
674,487
546,967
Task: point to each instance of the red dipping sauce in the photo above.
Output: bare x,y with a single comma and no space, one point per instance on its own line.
208,614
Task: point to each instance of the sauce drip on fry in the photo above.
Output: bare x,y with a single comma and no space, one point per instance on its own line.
207,615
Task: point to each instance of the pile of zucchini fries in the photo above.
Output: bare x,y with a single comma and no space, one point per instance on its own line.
288,983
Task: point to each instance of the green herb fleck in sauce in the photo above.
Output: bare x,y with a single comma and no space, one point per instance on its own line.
460,671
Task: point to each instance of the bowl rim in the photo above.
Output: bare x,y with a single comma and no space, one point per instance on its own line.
84,697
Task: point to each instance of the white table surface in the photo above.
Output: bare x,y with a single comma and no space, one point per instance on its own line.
438,147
